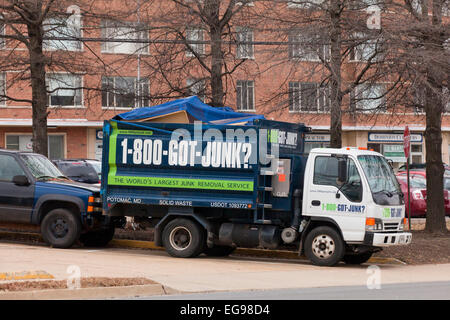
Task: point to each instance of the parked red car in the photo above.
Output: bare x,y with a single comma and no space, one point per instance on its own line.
418,192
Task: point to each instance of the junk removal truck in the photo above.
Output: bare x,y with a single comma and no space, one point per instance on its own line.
212,179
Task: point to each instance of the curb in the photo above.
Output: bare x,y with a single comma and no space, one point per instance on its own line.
90,293
248,252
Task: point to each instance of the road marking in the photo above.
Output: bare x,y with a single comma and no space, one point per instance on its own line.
25,275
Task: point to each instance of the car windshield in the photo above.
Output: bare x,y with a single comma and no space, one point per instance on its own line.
381,179
415,182
97,165
41,167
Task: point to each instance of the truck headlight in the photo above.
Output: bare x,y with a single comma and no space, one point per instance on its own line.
374,224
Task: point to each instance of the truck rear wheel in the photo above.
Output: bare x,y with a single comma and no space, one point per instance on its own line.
60,228
98,238
324,246
183,238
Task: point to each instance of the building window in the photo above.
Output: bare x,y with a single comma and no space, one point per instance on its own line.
365,49
56,145
305,48
244,37
2,89
196,87
195,34
305,96
2,33
127,31
245,91
64,89
125,92
368,97
60,27
304,4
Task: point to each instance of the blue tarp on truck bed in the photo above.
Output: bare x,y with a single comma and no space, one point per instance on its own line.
195,110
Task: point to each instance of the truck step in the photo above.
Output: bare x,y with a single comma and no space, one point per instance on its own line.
267,172
265,205
265,188
263,221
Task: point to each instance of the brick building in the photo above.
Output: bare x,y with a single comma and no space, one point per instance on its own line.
76,111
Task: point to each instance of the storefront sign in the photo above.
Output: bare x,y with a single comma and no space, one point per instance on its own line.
394,152
393,137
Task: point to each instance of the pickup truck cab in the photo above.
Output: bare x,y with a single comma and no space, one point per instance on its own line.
33,190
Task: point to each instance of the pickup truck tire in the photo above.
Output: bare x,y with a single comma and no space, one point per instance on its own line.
60,228
357,258
98,238
324,246
219,251
183,238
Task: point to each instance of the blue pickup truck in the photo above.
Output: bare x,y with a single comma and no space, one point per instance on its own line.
33,190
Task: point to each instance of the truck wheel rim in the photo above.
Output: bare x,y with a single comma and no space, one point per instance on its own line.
323,246
59,228
180,238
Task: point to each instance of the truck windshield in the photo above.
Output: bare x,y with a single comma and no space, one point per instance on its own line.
382,182
41,167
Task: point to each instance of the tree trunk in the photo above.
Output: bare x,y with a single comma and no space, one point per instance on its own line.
39,90
217,93
335,82
435,219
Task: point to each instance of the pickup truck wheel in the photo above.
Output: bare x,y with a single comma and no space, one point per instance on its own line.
98,238
60,228
324,246
357,258
183,238
219,251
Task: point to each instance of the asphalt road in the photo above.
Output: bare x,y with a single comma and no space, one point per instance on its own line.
234,274
398,291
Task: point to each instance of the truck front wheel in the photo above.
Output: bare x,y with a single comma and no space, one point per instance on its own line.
324,246
60,228
183,238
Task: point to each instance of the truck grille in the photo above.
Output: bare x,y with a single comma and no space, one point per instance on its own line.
391,226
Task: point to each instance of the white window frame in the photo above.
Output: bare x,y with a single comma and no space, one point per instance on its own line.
195,34
29,134
304,50
295,88
2,88
123,30
197,87
79,91
63,45
248,105
304,4
359,52
2,33
361,102
246,50
138,101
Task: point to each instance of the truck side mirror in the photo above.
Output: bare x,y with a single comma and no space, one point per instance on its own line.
342,170
21,180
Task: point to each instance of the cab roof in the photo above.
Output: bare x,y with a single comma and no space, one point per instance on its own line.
354,151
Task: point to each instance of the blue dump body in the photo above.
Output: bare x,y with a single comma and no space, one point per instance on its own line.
152,166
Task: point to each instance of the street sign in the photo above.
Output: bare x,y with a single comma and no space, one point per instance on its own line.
406,141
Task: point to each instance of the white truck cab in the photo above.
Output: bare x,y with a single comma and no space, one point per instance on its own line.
357,192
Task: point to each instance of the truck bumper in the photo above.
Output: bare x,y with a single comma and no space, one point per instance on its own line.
380,239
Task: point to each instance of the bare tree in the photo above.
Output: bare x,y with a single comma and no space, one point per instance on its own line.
420,32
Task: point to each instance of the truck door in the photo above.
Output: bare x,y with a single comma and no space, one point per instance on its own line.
341,202
16,201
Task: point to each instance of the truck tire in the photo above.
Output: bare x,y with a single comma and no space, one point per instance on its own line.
98,238
60,228
183,238
324,246
219,251
357,258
